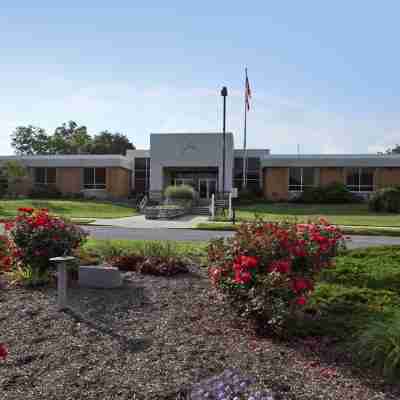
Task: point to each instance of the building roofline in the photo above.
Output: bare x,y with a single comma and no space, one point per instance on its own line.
331,160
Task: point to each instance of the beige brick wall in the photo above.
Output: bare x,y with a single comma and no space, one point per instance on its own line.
69,180
117,180
275,183
331,175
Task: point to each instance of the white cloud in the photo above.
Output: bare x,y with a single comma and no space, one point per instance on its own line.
275,121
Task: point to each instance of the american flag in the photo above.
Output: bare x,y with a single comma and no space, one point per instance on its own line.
247,93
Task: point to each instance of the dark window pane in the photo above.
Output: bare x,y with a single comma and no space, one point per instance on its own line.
140,163
88,176
40,175
100,176
253,163
238,163
308,176
353,179
51,175
294,178
367,179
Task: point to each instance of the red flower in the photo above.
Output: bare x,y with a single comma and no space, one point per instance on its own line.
301,301
3,351
300,284
242,277
8,225
246,262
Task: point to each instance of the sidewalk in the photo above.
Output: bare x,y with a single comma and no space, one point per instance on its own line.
139,221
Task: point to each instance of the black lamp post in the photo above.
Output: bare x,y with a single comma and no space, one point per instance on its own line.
224,93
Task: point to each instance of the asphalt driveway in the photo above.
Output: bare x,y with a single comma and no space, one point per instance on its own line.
192,234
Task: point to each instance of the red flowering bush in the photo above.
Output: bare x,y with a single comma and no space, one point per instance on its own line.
36,236
268,270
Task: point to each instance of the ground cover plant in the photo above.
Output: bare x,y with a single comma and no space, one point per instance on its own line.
165,258
359,304
67,208
338,214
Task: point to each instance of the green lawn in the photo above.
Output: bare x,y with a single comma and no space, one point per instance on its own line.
340,214
68,208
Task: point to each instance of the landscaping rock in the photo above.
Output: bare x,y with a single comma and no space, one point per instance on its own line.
99,276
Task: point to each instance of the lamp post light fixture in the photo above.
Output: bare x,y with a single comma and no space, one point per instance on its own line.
224,94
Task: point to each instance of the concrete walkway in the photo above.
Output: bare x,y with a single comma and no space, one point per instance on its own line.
99,232
140,222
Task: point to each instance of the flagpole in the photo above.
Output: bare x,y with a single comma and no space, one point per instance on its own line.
244,181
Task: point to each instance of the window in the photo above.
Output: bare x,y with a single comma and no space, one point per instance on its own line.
94,178
360,179
183,181
253,173
45,176
142,174
301,178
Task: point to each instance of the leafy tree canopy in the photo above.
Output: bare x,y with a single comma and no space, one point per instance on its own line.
68,138
395,150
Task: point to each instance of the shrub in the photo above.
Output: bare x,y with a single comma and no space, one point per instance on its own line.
5,259
387,200
267,270
45,192
36,236
334,193
379,345
181,192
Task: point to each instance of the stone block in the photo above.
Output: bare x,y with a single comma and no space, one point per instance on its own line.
99,277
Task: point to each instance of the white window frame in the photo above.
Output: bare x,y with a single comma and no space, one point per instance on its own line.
361,188
95,185
45,176
302,186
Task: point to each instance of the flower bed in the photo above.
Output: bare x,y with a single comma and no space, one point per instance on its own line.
267,271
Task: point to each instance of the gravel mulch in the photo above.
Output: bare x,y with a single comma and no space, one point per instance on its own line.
150,339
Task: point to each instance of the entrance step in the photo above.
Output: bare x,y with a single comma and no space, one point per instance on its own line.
201,210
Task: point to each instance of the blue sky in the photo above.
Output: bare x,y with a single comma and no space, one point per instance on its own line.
325,75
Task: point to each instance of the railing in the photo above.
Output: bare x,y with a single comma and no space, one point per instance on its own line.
142,203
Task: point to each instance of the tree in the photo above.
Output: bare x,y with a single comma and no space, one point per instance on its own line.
14,173
28,140
110,143
69,138
395,150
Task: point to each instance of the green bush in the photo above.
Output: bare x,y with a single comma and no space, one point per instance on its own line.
45,192
334,193
181,192
385,200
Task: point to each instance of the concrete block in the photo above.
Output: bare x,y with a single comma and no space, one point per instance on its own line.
99,276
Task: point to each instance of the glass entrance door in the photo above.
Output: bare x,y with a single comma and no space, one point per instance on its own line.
207,187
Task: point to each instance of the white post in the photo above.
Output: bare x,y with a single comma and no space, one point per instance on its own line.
212,207
62,280
230,205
